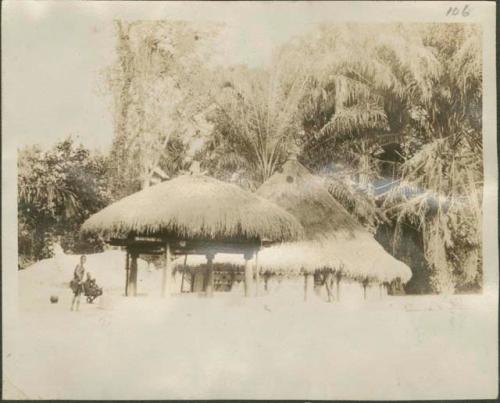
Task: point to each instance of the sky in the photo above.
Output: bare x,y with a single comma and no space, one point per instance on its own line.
54,53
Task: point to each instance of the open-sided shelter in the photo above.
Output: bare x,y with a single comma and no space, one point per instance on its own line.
192,215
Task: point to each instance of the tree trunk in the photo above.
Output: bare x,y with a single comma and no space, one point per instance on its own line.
125,58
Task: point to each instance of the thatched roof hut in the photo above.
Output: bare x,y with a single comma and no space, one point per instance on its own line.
195,207
192,215
334,239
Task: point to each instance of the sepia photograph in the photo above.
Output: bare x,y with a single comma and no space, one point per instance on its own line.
249,200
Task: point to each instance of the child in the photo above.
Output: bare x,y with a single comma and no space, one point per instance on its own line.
77,282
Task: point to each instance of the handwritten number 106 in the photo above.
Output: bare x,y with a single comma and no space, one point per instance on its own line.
454,11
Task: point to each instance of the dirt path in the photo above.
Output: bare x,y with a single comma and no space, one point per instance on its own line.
194,348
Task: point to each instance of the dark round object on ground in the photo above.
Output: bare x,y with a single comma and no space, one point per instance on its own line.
54,299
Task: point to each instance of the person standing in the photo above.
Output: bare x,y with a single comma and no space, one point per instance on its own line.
77,282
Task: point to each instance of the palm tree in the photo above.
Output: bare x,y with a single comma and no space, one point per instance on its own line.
423,82
441,183
361,80
256,121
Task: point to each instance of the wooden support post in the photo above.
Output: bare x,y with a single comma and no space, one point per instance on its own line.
133,275
317,282
306,286
332,279
183,273
210,276
327,277
127,269
182,281
257,273
248,273
167,272
365,284
233,279
338,278
380,290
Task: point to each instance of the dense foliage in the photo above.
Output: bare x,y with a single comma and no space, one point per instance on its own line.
57,190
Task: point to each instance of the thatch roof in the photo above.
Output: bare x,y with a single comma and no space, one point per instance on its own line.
305,196
196,206
293,258
359,258
334,239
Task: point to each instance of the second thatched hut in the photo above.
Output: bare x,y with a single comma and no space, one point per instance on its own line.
336,247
